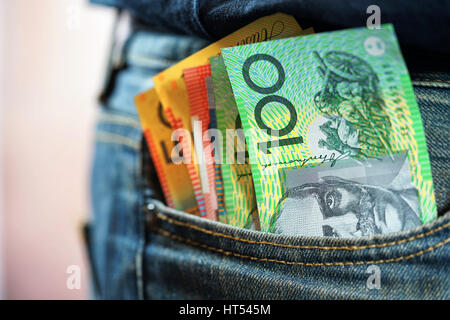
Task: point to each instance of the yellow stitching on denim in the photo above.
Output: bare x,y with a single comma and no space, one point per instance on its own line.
349,248
437,80
307,264
121,120
116,139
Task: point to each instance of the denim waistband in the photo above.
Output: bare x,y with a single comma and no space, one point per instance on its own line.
155,50
145,54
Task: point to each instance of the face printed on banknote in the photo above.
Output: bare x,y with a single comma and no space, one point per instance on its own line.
375,197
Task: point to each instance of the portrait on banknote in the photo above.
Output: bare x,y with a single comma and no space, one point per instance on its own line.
349,199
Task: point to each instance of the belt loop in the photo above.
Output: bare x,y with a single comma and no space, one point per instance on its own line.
116,61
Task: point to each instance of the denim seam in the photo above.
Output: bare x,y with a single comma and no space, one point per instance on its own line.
116,139
196,17
150,62
430,83
306,264
432,80
139,260
108,118
348,248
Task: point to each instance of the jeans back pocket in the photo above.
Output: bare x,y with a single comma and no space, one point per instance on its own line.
193,258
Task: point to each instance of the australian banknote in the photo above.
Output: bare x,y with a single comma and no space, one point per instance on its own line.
179,118
220,193
195,79
173,177
319,99
240,201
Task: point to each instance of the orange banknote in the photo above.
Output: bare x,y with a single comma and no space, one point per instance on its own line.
173,176
179,117
199,109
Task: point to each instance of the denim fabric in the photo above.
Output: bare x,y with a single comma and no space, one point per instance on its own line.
433,96
187,257
117,226
160,253
420,25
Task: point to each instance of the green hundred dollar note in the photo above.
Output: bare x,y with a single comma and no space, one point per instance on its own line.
316,100
240,201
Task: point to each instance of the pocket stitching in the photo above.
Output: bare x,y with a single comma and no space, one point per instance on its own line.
307,264
431,80
348,248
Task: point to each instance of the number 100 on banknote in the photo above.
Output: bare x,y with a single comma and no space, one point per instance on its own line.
317,100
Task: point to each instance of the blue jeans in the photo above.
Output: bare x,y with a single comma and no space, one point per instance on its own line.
141,249
215,19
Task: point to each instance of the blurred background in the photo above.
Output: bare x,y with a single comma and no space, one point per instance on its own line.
52,60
